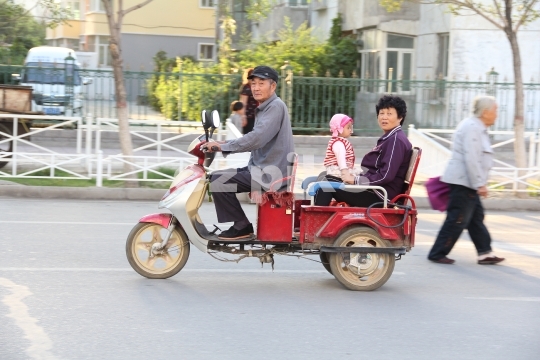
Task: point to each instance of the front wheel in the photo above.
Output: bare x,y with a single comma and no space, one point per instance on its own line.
361,271
152,263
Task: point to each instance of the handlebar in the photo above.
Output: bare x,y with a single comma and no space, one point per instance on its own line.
214,148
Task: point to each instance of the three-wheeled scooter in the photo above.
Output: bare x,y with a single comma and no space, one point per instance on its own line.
358,246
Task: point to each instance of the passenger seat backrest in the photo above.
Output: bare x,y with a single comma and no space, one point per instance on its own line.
411,171
292,176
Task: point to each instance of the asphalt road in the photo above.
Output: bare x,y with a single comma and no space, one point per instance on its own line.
67,292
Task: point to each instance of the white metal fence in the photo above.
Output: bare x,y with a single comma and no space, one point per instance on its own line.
435,157
157,158
152,161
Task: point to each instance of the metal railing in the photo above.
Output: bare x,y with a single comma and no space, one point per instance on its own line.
503,177
435,104
152,159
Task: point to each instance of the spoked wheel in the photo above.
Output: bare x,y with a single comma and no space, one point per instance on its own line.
362,271
325,261
152,262
5,146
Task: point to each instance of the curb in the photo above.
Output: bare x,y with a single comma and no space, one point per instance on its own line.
81,193
102,193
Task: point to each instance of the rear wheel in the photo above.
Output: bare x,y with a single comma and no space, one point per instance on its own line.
152,263
5,146
366,271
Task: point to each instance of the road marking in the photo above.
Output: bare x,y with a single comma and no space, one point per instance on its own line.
490,231
260,271
40,343
535,299
516,248
65,222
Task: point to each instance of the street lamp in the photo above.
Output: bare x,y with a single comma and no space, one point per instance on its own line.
492,77
69,79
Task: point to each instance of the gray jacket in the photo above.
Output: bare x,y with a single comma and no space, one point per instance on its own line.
472,156
271,143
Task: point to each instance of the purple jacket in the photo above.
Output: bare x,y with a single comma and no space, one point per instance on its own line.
387,163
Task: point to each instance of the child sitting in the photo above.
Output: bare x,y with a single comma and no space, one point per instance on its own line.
237,114
339,159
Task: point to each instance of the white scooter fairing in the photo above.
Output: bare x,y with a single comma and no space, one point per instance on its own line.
187,192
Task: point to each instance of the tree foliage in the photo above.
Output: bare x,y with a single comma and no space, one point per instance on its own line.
19,32
304,51
207,85
341,51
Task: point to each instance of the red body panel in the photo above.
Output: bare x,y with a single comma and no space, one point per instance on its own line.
274,222
298,211
161,219
328,222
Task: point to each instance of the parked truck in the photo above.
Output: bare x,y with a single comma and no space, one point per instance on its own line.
14,100
54,75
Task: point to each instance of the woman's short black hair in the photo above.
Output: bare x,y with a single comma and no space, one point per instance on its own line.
237,105
389,101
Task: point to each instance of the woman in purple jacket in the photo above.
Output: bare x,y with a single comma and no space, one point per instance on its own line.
385,165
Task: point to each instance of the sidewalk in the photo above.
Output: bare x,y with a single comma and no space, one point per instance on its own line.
8,189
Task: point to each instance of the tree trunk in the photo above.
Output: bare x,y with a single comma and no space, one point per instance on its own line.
519,123
122,110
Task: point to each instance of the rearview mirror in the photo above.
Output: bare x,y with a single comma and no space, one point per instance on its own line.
215,119
208,120
16,77
203,117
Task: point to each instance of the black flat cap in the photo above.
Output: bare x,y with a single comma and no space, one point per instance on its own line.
264,72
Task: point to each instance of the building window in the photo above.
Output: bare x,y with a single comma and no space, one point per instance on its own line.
399,42
104,55
206,52
442,61
399,59
97,6
75,7
207,3
90,44
73,44
100,45
298,2
386,56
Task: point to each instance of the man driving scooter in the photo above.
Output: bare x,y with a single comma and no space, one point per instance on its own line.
270,144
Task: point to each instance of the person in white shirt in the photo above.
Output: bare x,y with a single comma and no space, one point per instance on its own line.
467,174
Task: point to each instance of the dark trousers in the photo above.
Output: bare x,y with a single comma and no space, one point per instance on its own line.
464,211
359,199
249,126
224,185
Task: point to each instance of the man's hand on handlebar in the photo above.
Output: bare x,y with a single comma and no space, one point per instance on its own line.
211,147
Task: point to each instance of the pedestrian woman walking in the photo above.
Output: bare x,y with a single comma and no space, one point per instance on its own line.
250,104
467,174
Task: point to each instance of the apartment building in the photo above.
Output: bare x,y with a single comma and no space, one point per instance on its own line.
181,28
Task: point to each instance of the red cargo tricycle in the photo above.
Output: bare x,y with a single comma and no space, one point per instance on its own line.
359,246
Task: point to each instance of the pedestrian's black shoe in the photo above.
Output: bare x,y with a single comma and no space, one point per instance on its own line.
234,234
443,260
492,260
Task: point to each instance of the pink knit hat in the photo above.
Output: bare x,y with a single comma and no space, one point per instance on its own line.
338,122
